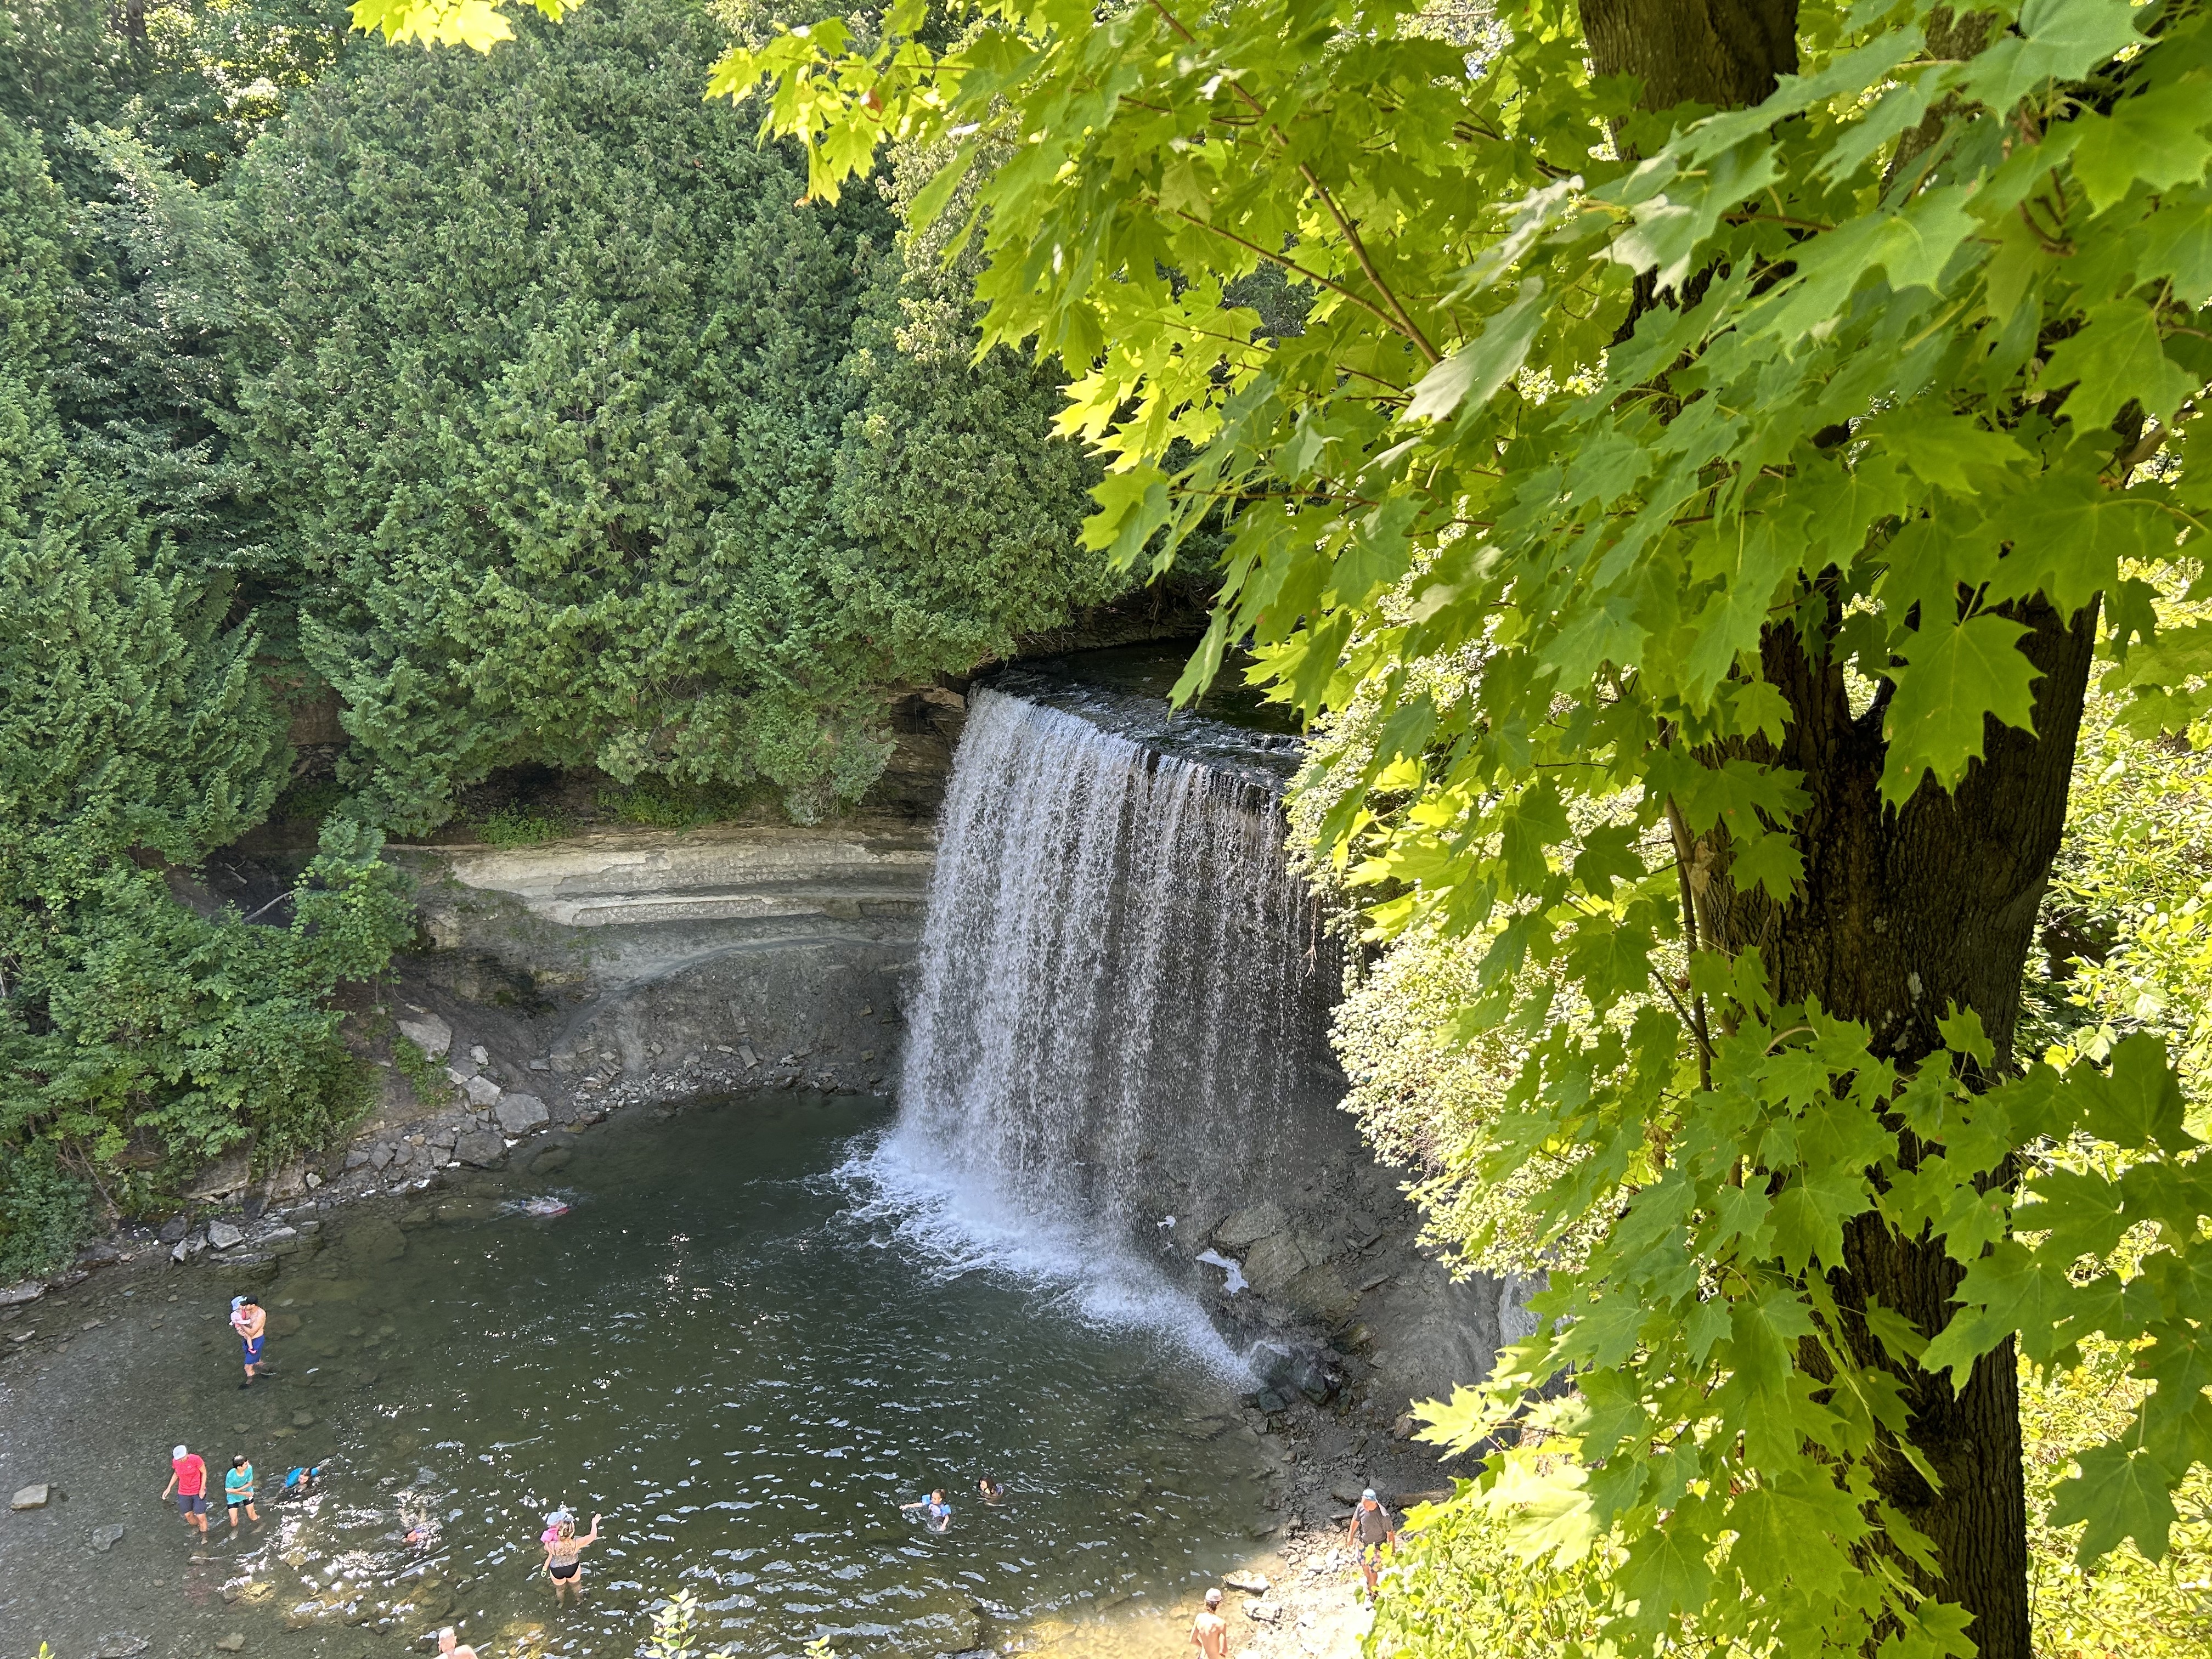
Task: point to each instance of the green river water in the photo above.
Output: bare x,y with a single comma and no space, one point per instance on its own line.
720,1348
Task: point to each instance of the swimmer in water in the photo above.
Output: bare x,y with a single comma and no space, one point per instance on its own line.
936,1513
993,1491
451,1646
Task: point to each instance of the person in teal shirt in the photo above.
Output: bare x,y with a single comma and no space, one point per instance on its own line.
237,1491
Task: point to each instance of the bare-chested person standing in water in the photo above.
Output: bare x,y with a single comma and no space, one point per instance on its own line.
1209,1631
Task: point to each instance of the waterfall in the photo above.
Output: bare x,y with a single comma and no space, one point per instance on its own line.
1122,989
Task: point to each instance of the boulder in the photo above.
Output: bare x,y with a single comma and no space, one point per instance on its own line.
484,1149
1320,1294
428,1033
1250,1225
1272,1263
479,1053
520,1114
14,1296
221,1178
173,1230
223,1236
104,1539
1347,1489
481,1090
1263,1612
31,1498
1252,1583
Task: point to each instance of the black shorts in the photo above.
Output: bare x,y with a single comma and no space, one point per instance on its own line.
565,1573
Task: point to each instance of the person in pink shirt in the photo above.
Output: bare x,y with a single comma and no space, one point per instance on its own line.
188,1476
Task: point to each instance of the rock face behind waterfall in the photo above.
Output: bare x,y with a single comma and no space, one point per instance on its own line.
1119,1043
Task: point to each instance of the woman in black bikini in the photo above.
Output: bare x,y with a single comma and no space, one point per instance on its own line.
563,1558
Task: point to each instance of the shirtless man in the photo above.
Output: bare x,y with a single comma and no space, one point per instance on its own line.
1372,1530
252,1324
450,1646
1209,1631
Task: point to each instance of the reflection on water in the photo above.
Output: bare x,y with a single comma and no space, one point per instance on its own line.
715,1352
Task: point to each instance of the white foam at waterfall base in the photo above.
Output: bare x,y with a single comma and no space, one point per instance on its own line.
1115,996
923,1208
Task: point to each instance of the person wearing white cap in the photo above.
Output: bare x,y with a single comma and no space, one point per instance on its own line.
188,1476
1209,1631
1372,1531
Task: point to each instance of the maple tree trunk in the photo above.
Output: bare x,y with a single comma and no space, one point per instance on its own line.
1902,912
1902,915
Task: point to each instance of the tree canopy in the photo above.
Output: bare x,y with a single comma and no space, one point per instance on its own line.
654,491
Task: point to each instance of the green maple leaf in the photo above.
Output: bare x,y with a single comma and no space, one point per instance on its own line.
2178,244
2121,1494
2070,535
1473,374
2157,137
1955,677
2138,1103
2115,358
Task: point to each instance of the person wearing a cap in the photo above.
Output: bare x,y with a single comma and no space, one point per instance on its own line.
188,1477
252,1324
1209,1631
1371,1530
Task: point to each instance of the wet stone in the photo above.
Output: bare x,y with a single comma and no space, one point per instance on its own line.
31,1498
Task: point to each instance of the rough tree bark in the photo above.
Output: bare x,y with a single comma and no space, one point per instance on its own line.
1902,913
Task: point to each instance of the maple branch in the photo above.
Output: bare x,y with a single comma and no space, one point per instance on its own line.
1397,316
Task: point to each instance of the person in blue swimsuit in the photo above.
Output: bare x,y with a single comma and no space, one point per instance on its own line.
936,1513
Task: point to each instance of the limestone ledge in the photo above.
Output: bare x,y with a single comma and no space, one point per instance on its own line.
842,871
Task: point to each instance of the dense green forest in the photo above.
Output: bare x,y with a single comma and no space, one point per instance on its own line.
523,402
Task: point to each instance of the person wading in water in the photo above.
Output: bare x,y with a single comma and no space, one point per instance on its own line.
1209,1631
563,1558
1372,1531
252,1324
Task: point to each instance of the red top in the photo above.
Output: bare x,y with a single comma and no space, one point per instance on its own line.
192,1474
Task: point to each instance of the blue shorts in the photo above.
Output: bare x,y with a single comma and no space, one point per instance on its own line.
192,1503
253,1346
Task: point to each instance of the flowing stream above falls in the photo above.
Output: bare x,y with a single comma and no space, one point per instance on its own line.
1122,989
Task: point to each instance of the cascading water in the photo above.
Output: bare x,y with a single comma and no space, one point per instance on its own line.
1122,989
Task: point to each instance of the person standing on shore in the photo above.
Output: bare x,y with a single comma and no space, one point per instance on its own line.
237,1491
1209,1631
188,1479
1372,1530
252,1324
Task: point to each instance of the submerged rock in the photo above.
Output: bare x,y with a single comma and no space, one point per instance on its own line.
520,1114
104,1539
31,1498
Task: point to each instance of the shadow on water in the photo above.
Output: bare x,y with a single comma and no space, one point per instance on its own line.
712,1349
